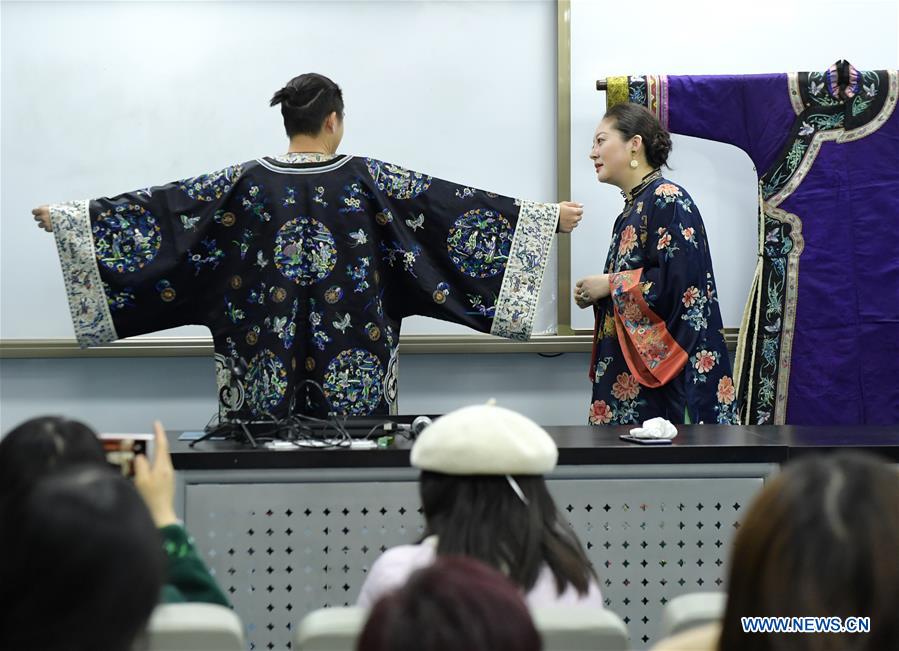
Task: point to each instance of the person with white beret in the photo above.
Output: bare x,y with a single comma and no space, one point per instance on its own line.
483,495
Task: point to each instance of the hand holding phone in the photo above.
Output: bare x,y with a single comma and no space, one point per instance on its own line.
156,482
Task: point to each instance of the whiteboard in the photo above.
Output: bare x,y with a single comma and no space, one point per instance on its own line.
694,37
100,98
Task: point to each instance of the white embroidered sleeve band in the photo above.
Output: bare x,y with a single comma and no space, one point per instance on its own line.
84,287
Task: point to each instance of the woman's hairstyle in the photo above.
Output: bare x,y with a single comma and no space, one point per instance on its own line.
454,603
820,540
635,120
306,101
481,516
41,446
81,565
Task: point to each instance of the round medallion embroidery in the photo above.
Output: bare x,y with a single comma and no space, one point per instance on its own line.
353,382
126,238
479,243
305,251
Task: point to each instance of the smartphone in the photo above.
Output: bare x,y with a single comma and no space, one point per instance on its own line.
634,439
122,448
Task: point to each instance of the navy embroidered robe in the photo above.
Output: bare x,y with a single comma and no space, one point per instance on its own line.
303,267
658,343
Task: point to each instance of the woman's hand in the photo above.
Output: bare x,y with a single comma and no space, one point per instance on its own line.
590,289
157,484
41,215
570,213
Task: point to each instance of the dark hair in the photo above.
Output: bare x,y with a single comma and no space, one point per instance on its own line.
81,565
454,603
636,120
482,517
821,539
41,446
306,101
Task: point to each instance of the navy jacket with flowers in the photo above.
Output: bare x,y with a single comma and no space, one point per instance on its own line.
303,267
658,345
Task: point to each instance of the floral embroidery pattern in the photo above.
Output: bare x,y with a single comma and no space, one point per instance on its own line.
126,238
209,187
689,235
290,198
254,203
211,258
396,181
353,382
305,251
243,244
625,387
690,296
119,300
319,337
395,252
479,243
358,272
480,306
319,197
600,413
703,362
665,244
726,407
234,313
628,240
601,366
257,296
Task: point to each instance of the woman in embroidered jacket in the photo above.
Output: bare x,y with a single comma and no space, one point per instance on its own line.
303,265
658,349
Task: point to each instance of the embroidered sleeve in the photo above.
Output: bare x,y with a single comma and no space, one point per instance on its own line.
652,354
137,262
458,253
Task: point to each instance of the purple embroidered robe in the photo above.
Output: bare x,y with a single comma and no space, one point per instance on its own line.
820,336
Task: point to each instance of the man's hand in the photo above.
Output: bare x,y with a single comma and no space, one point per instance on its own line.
42,217
590,289
570,213
157,484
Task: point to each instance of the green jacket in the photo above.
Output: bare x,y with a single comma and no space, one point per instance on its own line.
188,577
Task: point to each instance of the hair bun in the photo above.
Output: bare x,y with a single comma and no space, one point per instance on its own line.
660,147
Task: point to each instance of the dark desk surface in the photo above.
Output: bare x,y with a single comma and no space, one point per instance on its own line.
580,445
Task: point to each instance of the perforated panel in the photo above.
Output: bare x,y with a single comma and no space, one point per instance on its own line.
282,550
651,540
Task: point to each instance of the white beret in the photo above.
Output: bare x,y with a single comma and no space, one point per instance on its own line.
485,440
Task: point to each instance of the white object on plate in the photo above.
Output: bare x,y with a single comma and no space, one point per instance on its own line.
655,428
